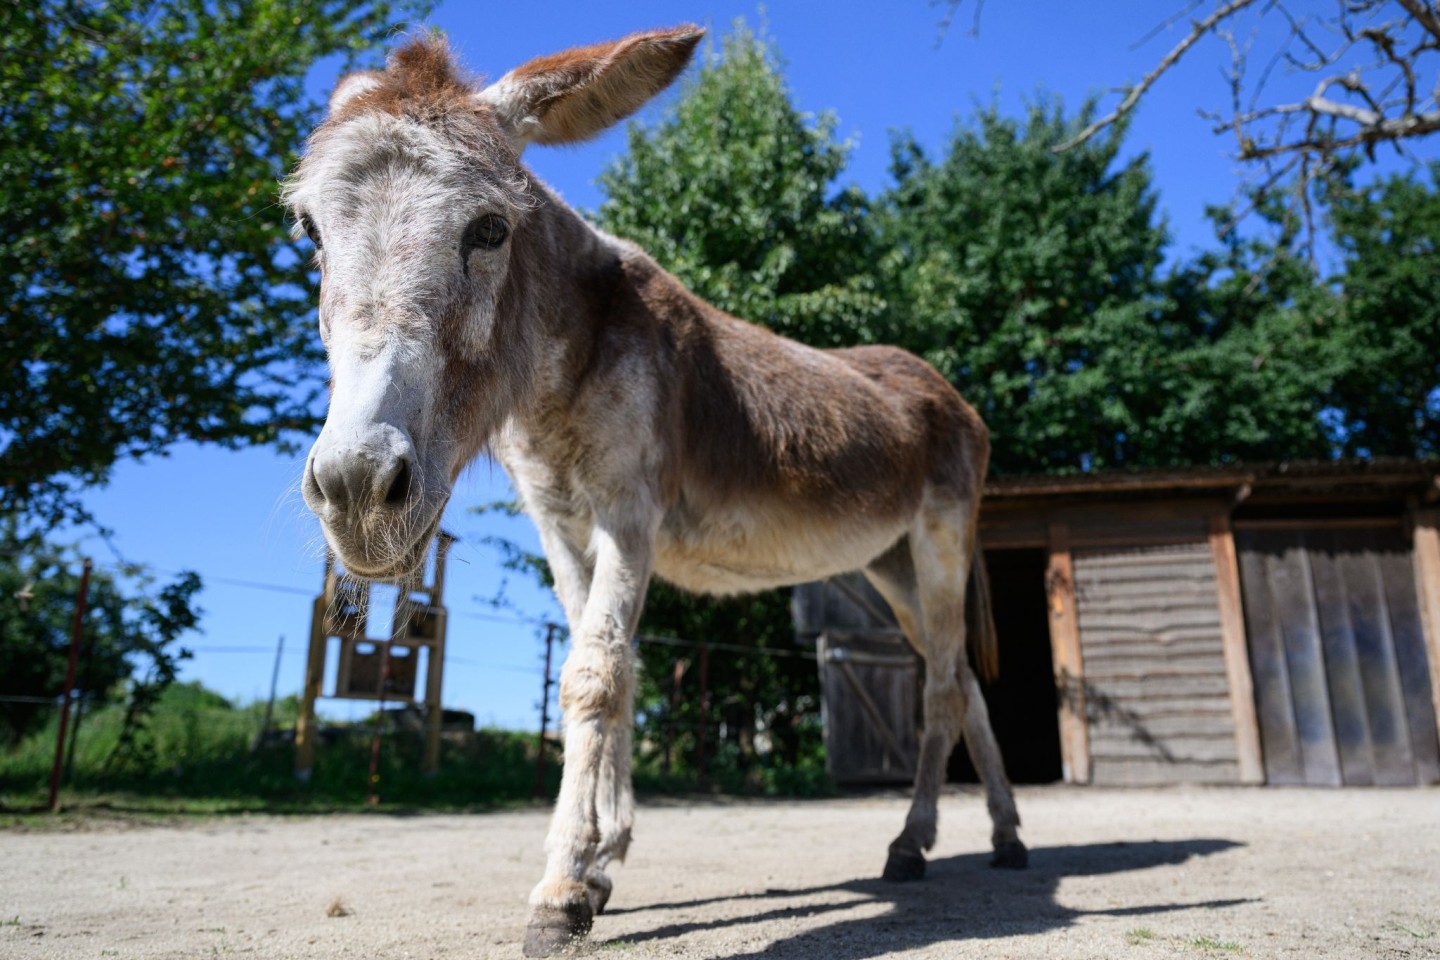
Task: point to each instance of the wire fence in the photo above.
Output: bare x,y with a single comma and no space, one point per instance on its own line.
683,721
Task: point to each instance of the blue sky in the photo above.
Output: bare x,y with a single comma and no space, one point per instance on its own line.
236,516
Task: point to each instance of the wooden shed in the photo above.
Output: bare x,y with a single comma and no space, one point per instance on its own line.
1248,624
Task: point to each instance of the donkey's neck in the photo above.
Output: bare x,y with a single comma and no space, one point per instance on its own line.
586,291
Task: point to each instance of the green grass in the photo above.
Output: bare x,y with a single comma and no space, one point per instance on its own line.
203,765
1210,943
1139,935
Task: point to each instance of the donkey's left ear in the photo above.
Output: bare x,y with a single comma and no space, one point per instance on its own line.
572,96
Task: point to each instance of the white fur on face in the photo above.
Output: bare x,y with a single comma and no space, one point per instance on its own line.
391,200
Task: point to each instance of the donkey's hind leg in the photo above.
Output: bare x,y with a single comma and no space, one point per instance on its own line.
928,588
893,575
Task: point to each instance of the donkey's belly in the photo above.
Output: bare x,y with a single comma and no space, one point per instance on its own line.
737,551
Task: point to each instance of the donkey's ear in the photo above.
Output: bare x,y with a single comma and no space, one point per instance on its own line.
351,86
574,95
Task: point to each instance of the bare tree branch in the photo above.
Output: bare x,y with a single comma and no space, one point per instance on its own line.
1424,14
1198,30
1373,60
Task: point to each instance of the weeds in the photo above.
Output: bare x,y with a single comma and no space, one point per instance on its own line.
1211,944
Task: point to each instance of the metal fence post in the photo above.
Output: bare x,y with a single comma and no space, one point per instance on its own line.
673,716
700,758
75,632
539,788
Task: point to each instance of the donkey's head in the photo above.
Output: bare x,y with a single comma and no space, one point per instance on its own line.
435,262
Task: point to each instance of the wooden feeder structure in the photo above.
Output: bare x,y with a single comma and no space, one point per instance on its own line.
381,669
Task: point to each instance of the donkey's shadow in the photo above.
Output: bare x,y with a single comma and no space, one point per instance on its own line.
960,899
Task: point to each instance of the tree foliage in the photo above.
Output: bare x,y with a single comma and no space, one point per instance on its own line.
1389,389
1024,277
128,635
151,290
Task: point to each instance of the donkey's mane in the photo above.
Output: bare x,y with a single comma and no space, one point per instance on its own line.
421,79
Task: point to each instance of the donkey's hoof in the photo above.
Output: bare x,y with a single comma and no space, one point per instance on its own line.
598,890
552,929
903,866
1011,855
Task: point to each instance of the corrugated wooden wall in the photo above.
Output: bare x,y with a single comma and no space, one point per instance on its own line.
1156,696
1338,654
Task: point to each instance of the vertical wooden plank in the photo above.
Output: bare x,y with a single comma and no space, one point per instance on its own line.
1427,582
1065,650
1343,610
1237,658
435,709
1375,646
314,674
1274,699
1396,574
1293,585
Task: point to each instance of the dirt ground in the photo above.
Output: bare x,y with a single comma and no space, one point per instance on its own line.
1133,874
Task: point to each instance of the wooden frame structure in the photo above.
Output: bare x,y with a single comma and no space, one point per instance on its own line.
1093,522
369,668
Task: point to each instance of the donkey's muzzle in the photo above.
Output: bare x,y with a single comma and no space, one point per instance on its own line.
349,481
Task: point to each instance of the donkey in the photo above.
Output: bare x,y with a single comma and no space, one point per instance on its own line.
466,308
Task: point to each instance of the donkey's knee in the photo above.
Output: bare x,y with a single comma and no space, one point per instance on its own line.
596,683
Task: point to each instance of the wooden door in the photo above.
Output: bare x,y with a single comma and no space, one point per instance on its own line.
1337,651
870,687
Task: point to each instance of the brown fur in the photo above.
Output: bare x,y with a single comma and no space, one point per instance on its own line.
585,90
421,80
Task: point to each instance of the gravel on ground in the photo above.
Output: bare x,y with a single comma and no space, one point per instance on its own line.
1145,873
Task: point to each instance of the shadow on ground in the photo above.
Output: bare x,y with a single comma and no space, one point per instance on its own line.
962,898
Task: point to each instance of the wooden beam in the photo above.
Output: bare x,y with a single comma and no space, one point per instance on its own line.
1237,655
1427,586
314,674
1065,652
435,709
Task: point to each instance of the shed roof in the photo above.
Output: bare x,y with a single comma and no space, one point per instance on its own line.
1395,474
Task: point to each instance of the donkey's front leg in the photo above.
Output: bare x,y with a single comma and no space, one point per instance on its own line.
596,695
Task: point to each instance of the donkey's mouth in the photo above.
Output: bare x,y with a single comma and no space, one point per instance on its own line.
403,566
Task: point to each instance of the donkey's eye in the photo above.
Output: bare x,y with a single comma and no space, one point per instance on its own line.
311,231
484,233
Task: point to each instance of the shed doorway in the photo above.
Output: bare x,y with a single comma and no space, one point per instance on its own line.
1022,699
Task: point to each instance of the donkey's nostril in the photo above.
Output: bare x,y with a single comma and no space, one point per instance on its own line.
309,486
399,489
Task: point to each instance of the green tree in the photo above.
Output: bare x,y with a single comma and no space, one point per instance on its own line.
151,291
1017,272
1256,347
735,192
1032,279
1389,391
128,634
